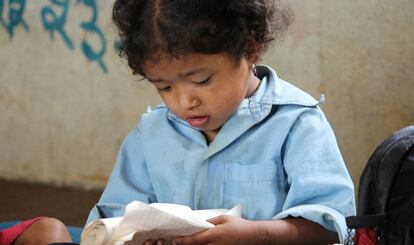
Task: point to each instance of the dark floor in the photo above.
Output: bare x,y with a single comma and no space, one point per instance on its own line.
20,201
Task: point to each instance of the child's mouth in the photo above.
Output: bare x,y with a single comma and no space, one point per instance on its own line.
198,122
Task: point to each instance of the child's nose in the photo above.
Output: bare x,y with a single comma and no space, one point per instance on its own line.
189,101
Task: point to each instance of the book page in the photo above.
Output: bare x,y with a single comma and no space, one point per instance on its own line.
154,221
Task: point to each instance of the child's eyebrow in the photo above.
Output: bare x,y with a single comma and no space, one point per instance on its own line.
192,72
154,81
184,74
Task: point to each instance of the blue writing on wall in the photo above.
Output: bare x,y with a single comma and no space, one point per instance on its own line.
1,13
91,26
16,12
52,22
54,16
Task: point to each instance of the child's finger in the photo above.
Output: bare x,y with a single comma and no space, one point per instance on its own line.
162,242
197,239
219,219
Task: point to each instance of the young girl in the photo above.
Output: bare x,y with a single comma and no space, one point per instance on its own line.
228,132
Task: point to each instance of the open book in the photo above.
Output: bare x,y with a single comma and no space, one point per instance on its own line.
153,221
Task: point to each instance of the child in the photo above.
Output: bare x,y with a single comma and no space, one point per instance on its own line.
228,132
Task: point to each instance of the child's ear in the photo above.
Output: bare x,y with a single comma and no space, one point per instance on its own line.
257,52
254,58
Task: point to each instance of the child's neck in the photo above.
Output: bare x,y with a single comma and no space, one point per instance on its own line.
253,85
252,88
210,135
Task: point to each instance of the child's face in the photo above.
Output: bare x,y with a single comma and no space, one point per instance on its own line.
204,90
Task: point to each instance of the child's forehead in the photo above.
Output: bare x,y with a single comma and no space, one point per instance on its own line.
186,65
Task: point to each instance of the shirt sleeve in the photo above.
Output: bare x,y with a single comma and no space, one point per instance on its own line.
319,186
129,180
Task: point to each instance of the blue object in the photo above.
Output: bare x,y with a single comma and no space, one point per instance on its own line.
75,233
5,225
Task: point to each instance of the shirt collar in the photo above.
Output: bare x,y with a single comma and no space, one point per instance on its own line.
280,92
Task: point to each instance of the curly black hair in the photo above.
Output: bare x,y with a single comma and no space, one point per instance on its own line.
241,28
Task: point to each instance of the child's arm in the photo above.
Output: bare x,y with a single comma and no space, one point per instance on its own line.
235,230
129,181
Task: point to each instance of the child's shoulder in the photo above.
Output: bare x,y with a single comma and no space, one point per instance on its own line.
155,112
282,92
154,117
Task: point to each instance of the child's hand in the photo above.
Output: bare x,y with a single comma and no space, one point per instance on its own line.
148,242
228,230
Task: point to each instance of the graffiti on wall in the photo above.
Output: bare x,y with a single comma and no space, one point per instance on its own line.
15,16
54,23
92,27
53,17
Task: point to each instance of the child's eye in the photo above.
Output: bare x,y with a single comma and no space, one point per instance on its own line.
204,82
165,89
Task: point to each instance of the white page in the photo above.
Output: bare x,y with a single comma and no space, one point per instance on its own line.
154,221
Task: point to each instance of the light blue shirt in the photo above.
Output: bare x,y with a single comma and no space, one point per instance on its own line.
276,155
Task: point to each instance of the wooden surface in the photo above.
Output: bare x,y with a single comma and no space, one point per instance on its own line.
19,201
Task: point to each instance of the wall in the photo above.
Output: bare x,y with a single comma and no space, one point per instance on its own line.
360,54
64,108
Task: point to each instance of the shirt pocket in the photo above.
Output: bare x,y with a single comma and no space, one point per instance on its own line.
259,172
259,187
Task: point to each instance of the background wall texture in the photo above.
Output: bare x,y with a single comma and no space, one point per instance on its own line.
67,100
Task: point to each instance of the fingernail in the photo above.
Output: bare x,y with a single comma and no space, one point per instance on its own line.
177,242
